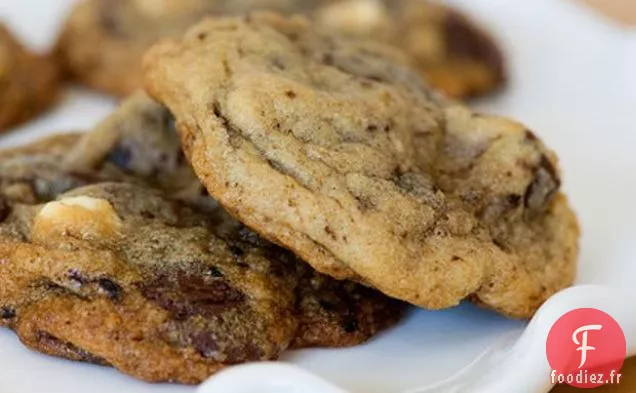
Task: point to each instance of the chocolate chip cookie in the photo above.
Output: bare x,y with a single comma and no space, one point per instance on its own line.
104,40
452,52
326,146
28,82
121,274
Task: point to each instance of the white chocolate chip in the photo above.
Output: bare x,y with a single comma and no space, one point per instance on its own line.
79,217
159,9
354,16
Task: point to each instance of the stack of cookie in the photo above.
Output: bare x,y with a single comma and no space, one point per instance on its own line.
103,42
281,183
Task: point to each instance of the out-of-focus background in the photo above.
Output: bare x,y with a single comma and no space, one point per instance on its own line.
623,11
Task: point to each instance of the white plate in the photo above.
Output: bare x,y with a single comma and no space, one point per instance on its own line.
573,83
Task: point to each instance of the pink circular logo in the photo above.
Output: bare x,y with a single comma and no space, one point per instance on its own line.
586,348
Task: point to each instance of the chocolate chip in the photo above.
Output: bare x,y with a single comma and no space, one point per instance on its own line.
75,276
545,185
514,200
500,244
327,306
186,294
237,251
205,343
217,292
208,346
112,289
5,209
215,272
463,39
248,236
530,136
7,313
349,323
121,156
290,94
147,214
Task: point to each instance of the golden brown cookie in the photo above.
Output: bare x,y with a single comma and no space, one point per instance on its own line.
28,82
104,40
144,285
329,148
121,274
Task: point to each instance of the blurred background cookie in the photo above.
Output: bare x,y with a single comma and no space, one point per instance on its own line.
452,52
28,82
104,40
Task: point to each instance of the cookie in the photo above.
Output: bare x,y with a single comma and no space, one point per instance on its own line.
327,147
121,275
142,284
28,82
453,53
139,139
104,40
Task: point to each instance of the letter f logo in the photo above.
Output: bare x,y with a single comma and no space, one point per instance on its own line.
583,343
567,347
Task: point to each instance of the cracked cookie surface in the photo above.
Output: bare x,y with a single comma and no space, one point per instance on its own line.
448,48
330,148
121,274
28,82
